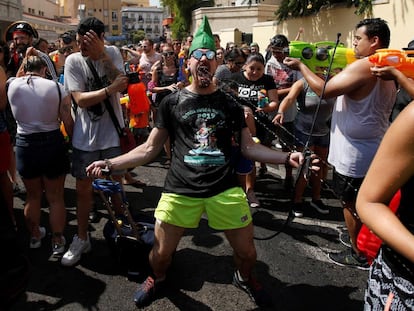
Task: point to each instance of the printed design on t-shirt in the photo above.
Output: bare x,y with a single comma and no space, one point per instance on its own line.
250,92
96,111
205,150
283,77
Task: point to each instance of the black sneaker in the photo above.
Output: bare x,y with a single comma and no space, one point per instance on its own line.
348,258
297,209
320,206
345,239
254,289
145,293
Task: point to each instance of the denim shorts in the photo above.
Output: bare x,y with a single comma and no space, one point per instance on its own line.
81,160
42,154
320,141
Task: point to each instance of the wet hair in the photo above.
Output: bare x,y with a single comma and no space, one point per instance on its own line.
255,58
279,41
232,54
91,23
376,27
33,63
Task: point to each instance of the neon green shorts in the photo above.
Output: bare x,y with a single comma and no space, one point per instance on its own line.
225,211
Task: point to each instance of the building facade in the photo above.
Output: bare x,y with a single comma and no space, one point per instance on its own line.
147,19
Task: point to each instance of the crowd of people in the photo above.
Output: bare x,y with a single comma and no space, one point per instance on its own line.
214,111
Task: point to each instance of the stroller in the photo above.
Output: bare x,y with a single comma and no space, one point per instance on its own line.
130,238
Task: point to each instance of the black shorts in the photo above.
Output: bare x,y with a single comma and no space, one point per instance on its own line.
42,154
346,188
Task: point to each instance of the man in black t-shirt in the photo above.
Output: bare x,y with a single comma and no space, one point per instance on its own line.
205,125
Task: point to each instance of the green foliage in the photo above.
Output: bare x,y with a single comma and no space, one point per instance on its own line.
182,10
137,36
299,8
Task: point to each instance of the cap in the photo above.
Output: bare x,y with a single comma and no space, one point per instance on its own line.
203,37
20,26
410,46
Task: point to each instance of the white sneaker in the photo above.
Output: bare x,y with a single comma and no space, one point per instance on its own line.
37,242
75,251
58,248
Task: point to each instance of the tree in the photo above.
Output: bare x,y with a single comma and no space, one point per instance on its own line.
182,10
137,35
299,8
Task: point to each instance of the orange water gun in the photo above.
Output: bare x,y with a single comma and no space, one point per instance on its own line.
396,58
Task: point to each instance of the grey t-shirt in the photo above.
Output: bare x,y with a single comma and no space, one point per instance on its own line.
93,130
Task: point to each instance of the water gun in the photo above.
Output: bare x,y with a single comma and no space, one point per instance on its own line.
262,99
319,54
398,59
124,100
182,77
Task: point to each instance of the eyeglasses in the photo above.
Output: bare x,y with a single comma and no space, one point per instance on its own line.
67,49
166,54
197,54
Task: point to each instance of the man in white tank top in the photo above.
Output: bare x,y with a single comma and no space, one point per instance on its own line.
359,121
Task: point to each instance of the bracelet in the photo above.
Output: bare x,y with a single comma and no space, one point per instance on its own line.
287,161
106,92
279,112
108,164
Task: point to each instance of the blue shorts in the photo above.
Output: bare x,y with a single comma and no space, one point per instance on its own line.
320,141
42,154
81,160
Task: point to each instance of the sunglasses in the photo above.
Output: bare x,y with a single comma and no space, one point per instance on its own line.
166,54
197,54
67,49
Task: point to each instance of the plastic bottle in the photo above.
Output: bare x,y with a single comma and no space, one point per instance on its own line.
138,100
395,58
182,77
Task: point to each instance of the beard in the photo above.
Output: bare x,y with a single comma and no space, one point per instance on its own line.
204,77
22,48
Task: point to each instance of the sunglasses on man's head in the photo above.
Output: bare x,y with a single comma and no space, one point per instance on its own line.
198,54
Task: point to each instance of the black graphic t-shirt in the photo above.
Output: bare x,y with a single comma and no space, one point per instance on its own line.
202,131
249,89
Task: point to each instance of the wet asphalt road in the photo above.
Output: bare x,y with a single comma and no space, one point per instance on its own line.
293,266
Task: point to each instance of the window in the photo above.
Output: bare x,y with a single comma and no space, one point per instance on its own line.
114,16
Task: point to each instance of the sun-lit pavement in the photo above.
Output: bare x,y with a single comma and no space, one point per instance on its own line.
293,266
